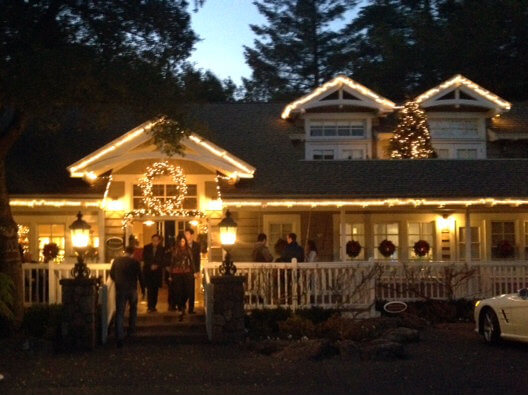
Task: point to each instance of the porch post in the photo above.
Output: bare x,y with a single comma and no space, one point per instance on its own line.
468,237
342,235
102,231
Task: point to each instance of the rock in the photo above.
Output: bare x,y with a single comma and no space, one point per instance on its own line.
382,350
309,349
267,347
402,335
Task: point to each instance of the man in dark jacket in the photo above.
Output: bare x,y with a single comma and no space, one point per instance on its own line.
292,250
154,259
196,251
126,272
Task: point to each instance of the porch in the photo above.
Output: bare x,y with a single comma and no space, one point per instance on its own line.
340,285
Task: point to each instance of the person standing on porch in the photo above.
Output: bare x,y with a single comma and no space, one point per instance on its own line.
196,251
181,273
153,258
311,251
126,273
292,250
261,252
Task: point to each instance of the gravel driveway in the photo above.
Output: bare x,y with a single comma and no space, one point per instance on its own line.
448,359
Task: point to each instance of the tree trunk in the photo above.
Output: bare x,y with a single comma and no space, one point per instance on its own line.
10,260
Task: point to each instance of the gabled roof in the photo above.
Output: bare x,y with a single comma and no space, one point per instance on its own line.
359,95
474,92
254,132
134,145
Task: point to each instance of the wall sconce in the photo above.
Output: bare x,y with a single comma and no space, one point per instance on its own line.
446,223
115,205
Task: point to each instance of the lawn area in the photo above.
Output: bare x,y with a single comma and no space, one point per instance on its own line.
448,359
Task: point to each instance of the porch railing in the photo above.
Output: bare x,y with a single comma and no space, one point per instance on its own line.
41,281
358,285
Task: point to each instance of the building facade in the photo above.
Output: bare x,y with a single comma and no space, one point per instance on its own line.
317,167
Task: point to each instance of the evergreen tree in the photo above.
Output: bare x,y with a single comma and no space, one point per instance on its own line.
296,49
411,139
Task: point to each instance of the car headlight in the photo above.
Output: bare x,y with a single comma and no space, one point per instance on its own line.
477,303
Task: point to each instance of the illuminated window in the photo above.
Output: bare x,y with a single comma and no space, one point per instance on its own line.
389,231
167,192
23,238
420,231
351,154
355,231
501,231
354,128
51,233
475,243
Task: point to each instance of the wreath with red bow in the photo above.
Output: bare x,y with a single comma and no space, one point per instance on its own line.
386,248
353,248
421,248
50,251
505,249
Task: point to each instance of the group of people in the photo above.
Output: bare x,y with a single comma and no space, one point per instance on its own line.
286,249
179,265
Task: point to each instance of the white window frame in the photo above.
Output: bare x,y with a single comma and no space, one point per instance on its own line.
385,235
329,123
293,219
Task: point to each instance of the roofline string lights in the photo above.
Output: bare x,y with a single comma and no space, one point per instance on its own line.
458,80
74,169
376,203
331,84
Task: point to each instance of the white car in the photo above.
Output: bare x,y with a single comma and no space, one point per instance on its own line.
503,317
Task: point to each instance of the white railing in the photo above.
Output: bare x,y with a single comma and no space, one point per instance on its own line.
358,284
328,285
41,281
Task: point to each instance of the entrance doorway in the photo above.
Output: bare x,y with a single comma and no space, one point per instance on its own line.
167,228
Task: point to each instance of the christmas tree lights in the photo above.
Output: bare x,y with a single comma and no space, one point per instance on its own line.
411,139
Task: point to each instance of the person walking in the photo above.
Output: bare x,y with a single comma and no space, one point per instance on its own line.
153,260
126,273
181,273
261,252
311,251
196,251
292,250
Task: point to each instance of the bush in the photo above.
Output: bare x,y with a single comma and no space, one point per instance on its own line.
297,327
42,321
265,322
316,314
437,311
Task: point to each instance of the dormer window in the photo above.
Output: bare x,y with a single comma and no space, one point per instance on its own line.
328,128
323,154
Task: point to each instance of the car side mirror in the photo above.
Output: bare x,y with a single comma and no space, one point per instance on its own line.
523,293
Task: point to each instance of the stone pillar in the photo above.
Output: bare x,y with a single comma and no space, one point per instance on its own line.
79,300
228,309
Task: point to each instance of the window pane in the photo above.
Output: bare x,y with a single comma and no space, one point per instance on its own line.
509,227
192,190
137,190
496,227
158,190
414,228
190,203
392,229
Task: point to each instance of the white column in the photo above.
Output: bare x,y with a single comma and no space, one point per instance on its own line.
468,236
342,235
102,231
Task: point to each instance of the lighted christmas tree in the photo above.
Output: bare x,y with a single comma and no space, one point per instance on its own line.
411,138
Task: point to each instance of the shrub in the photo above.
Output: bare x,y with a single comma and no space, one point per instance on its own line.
297,327
42,321
437,311
316,314
265,322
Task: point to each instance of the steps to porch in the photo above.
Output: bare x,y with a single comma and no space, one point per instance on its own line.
165,327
